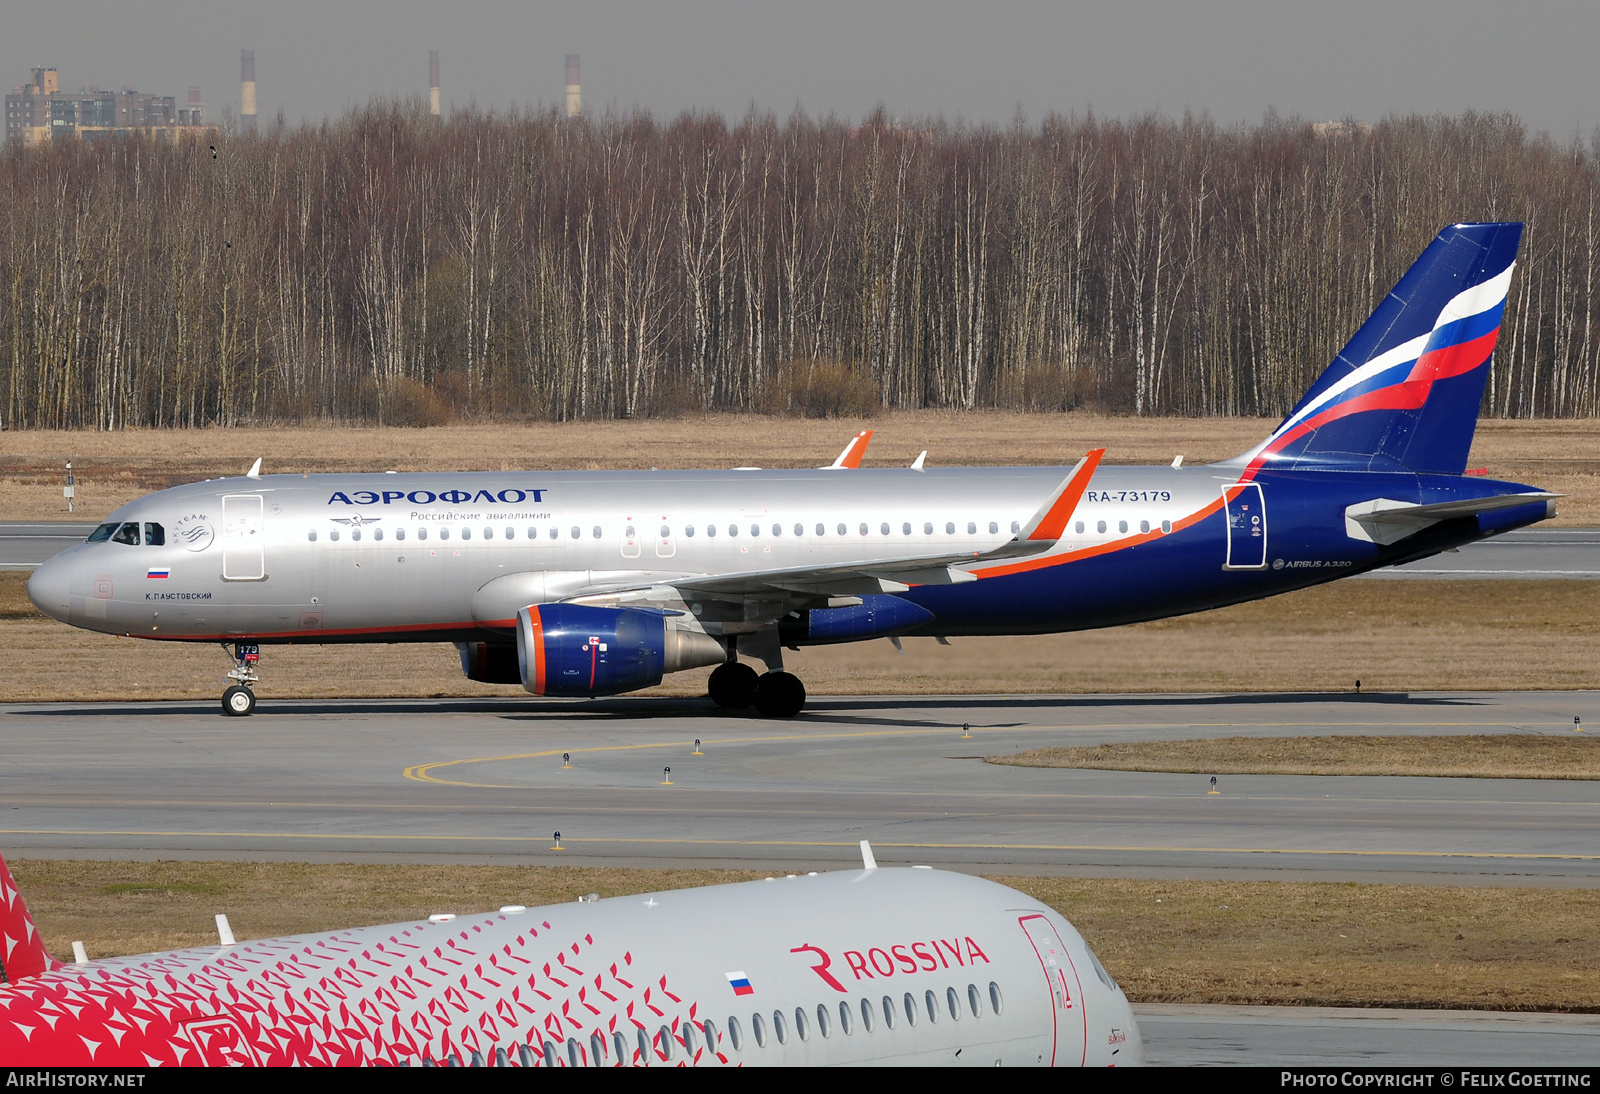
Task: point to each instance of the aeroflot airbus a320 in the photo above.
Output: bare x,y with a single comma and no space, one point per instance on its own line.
870,966
592,583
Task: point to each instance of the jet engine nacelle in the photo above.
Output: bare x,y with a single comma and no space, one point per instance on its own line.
574,649
489,662
875,617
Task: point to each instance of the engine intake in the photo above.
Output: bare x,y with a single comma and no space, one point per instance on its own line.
574,649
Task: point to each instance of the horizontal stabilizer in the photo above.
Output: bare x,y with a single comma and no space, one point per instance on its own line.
1385,521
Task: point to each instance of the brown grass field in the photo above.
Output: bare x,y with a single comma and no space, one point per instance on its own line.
1392,635
1497,756
113,468
1166,941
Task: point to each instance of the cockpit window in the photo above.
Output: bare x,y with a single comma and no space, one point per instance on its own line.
103,533
128,533
154,535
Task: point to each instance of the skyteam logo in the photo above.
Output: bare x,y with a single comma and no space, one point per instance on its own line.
194,532
509,496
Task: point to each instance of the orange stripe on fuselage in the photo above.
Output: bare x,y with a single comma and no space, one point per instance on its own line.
1103,548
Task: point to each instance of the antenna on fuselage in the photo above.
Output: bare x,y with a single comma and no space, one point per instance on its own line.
255,470
916,464
1177,461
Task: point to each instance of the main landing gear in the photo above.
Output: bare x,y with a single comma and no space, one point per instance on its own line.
773,694
240,700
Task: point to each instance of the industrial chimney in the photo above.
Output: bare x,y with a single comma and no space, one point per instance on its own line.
247,92
574,97
433,82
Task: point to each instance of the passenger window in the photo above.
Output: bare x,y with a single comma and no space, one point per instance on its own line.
709,1028
802,1028
755,529
572,1051
511,533
334,535
154,535
972,527
620,1043
643,1040
735,1034
993,527
800,529
842,529
355,535
844,1018
555,532
864,528
488,533
1015,527
422,533
688,531
1122,526
101,534
575,532
758,1027
931,1001
949,528
780,1028
822,529
1166,526
1100,526
974,1000
377,533
824,1023
884,528
953,1002
596,531
444,533
888,1011
128,533
400,534
733,529
1144,526
666,532
597,1048
910,1003
711,530
629,532
867,1015
1078,527
994,998
664,1043
906,528
777,529
312,535
686,1030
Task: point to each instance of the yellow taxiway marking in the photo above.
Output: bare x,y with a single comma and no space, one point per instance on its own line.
1121,848
424,772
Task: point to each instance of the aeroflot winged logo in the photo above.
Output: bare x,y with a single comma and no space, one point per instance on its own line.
509,496
902,959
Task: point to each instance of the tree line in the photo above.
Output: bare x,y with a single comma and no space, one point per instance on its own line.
387,267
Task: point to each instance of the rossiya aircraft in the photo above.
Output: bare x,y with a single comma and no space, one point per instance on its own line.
594,583
872,966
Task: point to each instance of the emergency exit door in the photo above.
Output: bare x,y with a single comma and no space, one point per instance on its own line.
1247,526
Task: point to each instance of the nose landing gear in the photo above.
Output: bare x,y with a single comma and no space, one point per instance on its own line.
240,700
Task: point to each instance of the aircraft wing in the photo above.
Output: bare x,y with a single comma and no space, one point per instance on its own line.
1385,521
891,573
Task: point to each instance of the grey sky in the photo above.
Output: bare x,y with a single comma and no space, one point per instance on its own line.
980,62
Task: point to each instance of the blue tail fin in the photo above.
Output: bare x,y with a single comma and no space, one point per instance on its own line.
1403,395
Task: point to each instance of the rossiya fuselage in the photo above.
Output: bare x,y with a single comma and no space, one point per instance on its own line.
1366,472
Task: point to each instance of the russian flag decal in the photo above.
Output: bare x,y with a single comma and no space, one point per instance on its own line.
162,572
740,983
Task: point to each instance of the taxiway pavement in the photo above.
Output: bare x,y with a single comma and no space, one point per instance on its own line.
492,780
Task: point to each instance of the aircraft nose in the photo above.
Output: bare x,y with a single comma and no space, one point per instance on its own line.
50,589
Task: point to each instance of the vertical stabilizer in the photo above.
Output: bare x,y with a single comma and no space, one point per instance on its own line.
22,952
1404,394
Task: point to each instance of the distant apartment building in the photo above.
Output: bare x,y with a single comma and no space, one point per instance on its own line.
41,112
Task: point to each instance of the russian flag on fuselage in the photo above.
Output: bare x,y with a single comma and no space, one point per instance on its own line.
1404,394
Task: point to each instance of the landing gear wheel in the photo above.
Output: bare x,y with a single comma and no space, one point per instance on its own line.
733,685
780,695
238,702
